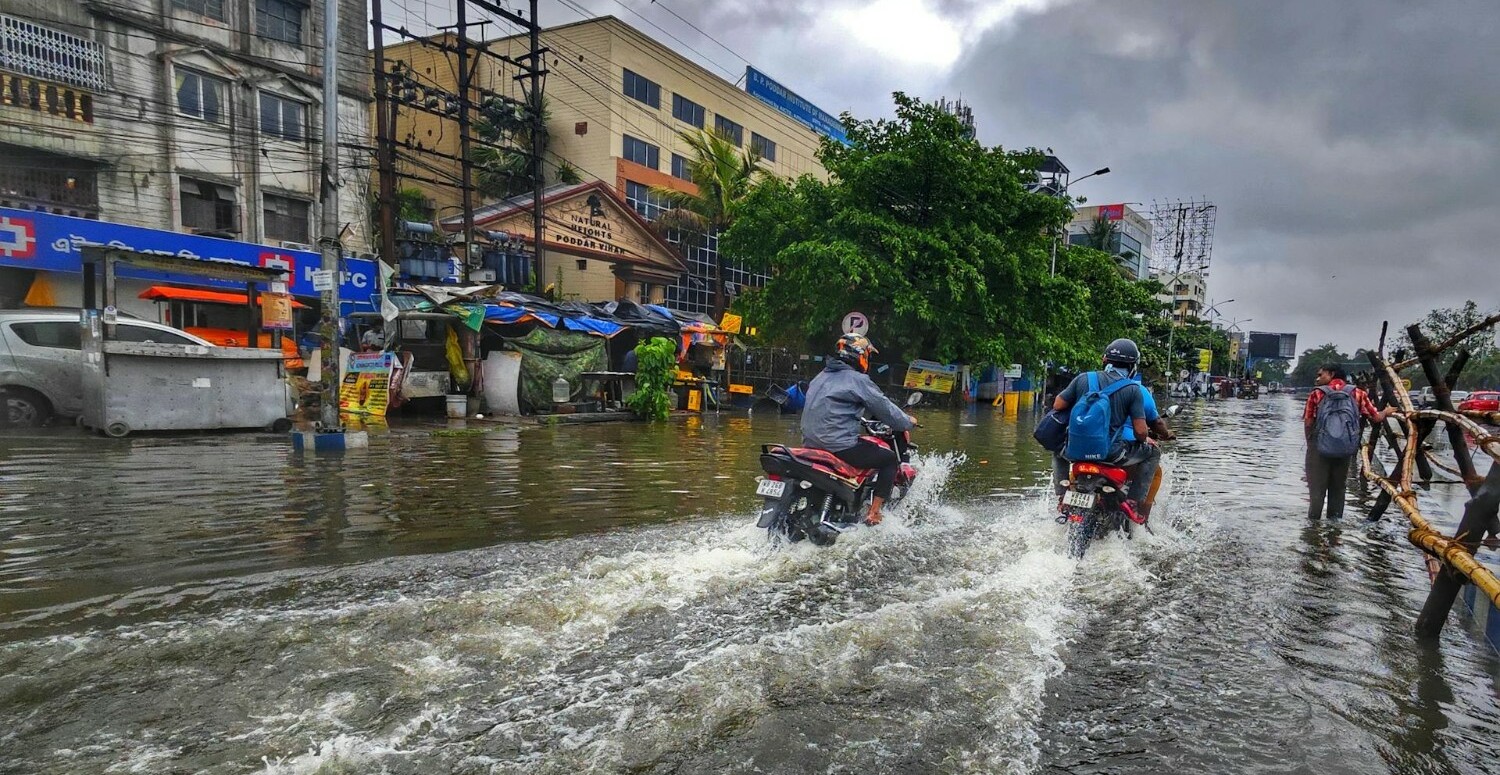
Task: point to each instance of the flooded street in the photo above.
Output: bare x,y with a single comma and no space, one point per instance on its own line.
595,599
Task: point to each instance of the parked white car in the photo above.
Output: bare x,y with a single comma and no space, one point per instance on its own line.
41,361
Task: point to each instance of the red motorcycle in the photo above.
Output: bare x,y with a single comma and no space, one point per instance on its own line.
812,494
1093,501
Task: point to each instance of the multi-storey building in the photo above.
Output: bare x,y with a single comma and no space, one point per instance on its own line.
1129,242
617,101
189,116
1184,293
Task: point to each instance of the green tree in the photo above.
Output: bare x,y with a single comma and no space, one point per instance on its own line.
934,236
1444,323
411,205
1306,370
723,175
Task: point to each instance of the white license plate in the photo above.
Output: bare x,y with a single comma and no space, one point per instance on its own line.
1082,500
770,488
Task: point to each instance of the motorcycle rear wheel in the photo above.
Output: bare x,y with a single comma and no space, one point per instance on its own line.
1081,534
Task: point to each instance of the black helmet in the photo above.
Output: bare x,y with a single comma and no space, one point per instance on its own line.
1122,352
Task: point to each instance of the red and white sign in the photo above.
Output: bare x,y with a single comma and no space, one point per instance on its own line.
1112,212
856,323
17,238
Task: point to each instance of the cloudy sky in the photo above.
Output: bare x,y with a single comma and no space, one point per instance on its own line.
1353,149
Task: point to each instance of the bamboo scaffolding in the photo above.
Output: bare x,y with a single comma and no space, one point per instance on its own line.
1456,553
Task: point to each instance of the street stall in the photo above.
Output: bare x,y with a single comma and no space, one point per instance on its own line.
147,386
225,318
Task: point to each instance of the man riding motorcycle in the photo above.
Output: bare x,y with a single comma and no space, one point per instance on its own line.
1133,415
836,400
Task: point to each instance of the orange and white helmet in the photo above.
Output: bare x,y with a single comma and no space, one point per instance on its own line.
855,350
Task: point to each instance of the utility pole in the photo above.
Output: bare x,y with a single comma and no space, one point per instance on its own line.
466,157
328,240
537,62
385,130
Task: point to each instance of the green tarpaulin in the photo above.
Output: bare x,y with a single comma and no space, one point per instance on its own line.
546,355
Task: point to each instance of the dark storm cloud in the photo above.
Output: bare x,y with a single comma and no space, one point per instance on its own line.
1353,148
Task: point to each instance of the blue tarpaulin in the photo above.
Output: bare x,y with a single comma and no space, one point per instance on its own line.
592,326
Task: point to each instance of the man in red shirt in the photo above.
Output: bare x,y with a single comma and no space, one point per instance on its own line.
1327,476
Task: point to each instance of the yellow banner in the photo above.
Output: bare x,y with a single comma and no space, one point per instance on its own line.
931,377
1205,360
367,384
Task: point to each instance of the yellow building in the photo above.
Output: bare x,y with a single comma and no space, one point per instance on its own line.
616,101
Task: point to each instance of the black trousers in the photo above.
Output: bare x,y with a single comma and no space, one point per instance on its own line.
1327,478
868,455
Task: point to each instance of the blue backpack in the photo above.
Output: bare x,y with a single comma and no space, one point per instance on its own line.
1089,435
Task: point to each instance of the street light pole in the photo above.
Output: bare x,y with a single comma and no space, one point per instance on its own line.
1064,194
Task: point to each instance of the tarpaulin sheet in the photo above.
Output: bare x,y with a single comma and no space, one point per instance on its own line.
598,326
547,355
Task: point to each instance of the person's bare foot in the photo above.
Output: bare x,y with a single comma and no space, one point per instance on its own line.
873,519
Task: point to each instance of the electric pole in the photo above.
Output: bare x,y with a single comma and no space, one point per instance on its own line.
536,61
328,240
385,130
465,146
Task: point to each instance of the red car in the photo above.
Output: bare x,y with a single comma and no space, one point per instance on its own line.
1481,401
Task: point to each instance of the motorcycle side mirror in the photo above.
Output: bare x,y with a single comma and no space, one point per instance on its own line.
914,399
1172,410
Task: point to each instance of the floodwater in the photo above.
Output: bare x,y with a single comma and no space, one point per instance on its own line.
594,599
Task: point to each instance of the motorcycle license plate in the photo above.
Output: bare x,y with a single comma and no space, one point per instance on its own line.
1082,500
770,488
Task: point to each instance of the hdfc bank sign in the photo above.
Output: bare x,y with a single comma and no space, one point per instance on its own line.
17,237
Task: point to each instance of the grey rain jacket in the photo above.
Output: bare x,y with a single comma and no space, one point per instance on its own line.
836,400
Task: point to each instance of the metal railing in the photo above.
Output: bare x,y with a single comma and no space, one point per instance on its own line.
37,50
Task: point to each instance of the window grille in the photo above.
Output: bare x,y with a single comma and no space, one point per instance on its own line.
26,47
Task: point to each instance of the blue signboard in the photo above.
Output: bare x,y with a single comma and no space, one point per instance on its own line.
53,243
761,86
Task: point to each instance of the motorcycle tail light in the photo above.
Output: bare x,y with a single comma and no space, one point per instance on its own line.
774,477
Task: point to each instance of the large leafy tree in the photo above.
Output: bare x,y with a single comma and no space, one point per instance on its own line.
1442,324
1307,365
936,238
723,175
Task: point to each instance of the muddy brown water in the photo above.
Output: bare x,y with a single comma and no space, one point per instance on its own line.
594,599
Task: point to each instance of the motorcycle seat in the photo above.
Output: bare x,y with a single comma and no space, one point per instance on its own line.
823,457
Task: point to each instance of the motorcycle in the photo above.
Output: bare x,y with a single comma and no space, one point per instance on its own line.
812,494
1093,500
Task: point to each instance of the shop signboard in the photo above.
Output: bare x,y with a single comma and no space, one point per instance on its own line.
767,90
931,376
1015,371
54,243
276,311
367,384
731,323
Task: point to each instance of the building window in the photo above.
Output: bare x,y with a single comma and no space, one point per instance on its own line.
642,89
729,129
283,118
641,152
693,292
207,207
687,111
200,95
37,180
49,54
766,148
680,168
284,219
279,20
213,9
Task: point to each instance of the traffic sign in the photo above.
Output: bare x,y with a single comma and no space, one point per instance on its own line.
856,323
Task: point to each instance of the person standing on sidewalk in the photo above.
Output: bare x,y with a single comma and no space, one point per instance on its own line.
1331,422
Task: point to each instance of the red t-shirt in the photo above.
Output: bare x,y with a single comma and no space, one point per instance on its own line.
1361,399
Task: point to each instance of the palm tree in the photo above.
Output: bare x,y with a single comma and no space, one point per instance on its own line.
1101,234
723,175
502,158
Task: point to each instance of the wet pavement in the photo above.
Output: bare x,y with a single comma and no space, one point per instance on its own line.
594,599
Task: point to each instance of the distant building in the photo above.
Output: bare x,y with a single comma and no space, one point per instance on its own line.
1185,294
1130,243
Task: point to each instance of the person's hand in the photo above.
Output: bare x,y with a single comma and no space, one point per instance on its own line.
911,418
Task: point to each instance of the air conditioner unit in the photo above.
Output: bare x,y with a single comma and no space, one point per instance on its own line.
298,246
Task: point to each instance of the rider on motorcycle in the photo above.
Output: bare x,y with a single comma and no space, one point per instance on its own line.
1133,416
836,400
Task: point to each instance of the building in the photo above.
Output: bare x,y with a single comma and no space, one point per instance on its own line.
194,117
1129,240
1184,294
616,101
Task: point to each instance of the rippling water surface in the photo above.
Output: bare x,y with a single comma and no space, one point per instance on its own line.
593,599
